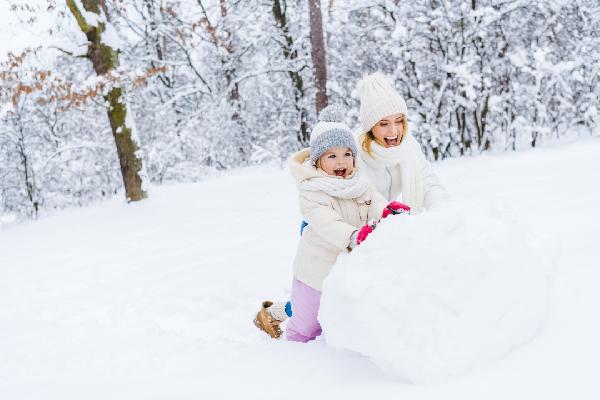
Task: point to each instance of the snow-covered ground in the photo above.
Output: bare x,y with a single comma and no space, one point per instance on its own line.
155,300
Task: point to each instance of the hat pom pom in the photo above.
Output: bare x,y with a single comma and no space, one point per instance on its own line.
361,87
332,113
376,79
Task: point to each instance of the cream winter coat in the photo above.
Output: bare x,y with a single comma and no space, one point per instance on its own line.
331,221
405,170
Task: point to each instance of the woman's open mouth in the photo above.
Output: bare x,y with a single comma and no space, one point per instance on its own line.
391,141
340,172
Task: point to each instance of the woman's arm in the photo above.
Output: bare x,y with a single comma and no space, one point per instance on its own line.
378,203
433,190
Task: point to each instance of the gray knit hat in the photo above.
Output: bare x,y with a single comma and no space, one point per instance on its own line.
330,131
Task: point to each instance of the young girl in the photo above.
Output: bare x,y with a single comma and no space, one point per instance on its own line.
337,201
389,154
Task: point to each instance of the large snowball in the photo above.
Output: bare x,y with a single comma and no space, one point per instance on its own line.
434,295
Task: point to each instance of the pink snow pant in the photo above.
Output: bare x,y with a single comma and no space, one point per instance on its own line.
303,325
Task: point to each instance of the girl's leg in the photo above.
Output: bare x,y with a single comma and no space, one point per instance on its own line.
303,326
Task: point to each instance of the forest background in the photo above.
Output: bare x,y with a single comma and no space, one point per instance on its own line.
101,95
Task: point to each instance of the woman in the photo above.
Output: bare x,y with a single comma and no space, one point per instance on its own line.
388,152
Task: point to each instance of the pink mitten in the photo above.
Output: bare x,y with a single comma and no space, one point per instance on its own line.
364,232
395,208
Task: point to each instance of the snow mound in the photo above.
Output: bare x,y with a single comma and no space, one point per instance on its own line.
435,295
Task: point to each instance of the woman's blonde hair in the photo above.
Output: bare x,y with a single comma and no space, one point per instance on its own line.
365,142
367,138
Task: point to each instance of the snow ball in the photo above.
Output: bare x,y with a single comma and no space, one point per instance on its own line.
431,296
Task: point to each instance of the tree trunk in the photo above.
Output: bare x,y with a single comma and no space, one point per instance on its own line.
104,59
318,53
155,40
290,54
28,175
465,139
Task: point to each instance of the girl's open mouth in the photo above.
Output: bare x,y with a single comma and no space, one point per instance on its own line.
340,172
391,141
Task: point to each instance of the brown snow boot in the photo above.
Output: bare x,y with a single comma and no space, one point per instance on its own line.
266,322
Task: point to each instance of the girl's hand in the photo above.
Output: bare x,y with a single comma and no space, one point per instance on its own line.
395,208
364,232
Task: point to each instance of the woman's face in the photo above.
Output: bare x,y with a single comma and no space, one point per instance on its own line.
388,132
337,161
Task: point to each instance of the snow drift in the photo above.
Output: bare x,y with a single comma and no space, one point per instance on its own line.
432,296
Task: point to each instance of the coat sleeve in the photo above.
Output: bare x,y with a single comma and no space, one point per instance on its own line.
433,190
378,203
326,222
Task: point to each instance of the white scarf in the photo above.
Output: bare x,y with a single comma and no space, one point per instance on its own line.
405,157
350,188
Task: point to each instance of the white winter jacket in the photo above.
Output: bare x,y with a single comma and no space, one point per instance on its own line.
410,174
331,222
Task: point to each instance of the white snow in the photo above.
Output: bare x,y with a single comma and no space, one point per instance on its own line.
110,37
155,299
135,138
432,296
90,18
38,24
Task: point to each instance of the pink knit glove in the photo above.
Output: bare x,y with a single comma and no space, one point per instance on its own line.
364,232
395,208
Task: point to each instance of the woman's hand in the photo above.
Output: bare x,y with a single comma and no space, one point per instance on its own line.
395,208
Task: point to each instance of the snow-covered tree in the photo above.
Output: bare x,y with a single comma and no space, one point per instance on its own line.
219,84
103,52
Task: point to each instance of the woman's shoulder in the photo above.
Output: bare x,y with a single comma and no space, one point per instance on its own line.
414,144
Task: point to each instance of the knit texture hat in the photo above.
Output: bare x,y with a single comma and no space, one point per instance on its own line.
378,99
330,131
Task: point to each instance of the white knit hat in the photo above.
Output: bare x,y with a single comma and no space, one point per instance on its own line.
330,131
378,99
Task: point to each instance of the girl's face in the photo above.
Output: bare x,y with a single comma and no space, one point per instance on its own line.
337,161
388,132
